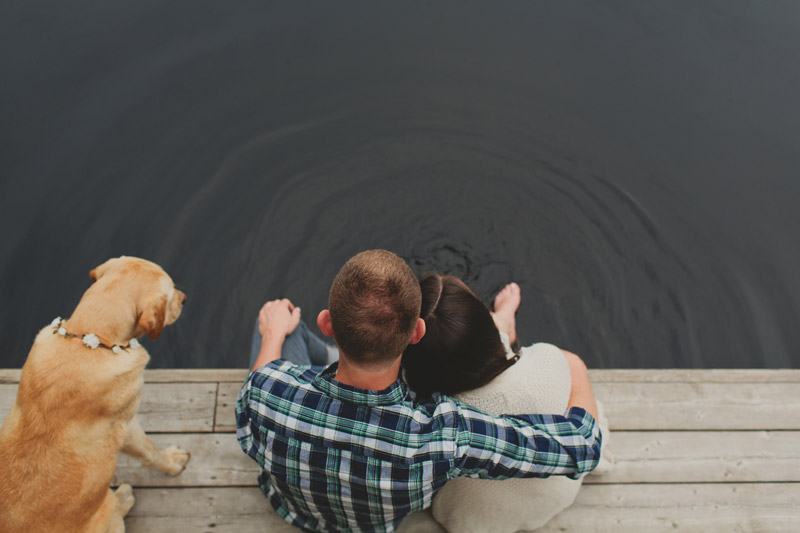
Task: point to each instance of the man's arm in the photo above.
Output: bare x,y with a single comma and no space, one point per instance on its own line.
276,320
526,445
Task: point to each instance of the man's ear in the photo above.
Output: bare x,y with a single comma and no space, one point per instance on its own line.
153,315
324,323
419,332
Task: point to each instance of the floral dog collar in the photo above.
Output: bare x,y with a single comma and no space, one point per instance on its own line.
90,339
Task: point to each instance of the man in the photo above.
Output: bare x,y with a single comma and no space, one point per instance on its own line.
346,448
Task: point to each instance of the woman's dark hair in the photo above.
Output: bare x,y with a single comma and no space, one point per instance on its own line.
461,349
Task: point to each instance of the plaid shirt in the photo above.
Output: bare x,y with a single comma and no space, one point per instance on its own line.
339,458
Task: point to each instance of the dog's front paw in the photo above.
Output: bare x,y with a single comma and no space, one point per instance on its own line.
178,459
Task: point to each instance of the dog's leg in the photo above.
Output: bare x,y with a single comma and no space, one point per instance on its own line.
124,494
171,461
109,518
117,525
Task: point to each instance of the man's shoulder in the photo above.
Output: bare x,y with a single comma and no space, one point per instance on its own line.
282,372
276,385
438,406
463,414
438,401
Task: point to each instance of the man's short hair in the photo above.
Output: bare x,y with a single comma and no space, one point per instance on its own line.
374,305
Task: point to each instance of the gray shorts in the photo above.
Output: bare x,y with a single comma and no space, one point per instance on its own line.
302,347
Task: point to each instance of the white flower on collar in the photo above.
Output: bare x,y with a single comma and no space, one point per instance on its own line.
134,344
56,321
116,349
91,340
62,331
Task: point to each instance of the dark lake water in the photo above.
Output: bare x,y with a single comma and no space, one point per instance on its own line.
635,168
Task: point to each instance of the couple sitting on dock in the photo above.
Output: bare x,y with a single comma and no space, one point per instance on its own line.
356,436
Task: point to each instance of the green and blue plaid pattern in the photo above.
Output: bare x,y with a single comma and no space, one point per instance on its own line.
339,458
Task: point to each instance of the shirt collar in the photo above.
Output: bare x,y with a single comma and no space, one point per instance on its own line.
393,394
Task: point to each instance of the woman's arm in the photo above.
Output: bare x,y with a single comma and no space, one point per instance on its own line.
581,394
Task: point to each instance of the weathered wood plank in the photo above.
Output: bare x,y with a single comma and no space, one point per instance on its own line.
629,405
699,406
702,456
225,419
598,375
217,460
225,509
10,375
178,407
165,407
197,375
637,406
623,508
641,457
719,507
182,375
8,395
749,375
243,510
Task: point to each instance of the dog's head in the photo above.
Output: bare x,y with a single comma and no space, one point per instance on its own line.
146,286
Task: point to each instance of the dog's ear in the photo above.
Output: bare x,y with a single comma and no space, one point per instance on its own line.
153,315
97,272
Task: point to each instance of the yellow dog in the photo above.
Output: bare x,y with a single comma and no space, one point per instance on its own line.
76,406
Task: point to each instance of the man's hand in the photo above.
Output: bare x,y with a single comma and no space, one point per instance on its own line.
278,317
276,320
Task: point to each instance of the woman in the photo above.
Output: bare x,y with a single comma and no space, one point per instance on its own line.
466,352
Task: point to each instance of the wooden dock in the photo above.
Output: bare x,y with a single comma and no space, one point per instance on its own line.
695,450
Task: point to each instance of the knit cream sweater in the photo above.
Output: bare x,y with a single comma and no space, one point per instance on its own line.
538,383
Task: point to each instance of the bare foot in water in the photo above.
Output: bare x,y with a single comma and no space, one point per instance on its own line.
506,304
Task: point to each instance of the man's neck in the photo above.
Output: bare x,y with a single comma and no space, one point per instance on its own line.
370,379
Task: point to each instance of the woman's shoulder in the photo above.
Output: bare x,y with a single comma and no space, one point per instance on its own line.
543,353
538,382
545,365
536,355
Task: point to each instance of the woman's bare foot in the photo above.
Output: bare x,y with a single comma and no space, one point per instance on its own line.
506,304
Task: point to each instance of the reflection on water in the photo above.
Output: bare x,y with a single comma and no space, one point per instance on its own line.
252,150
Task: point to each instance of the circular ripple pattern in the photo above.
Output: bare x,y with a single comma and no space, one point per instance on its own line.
251,150
597,275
